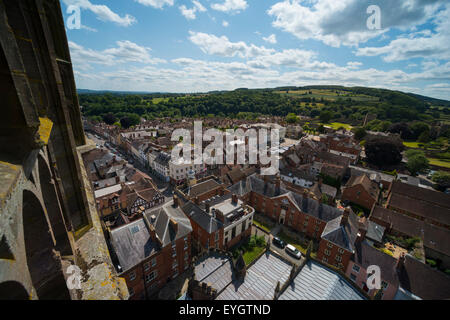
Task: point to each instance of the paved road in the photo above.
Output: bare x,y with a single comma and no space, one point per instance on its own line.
163,187
281,252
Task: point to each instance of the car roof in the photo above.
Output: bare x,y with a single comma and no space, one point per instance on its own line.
290,246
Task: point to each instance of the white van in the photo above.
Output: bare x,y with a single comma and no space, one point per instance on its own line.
293,251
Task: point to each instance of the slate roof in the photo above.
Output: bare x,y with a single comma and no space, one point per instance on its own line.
420,207
216,270
375,231
164,229
434,237
201,188
260,281
204,220
366,255
343,235
438,198
132,244
424,281
315,282
305,205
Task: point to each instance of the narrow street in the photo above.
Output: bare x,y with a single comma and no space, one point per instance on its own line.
165,188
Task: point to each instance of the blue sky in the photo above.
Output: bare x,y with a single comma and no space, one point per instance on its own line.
203,45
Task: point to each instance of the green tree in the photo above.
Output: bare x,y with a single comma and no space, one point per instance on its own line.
325,116
360,133
442,179
424,137
417,161
292,118
383,151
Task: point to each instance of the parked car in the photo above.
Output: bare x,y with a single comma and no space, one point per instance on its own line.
293,251
279,243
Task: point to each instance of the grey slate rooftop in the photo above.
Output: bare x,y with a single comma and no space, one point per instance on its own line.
163,228
260,281
315,282
306,205
206,221
216,270
132,244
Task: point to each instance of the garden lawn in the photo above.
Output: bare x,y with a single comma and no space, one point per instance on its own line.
439,162
337,125
414,145
295,243
250,255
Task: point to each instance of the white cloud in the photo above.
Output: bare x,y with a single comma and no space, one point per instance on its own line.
199,6
230,6
125,51
343,22
187,13
158,4
423,44
225,23
271,39
190,13
102,12
221,46
354,65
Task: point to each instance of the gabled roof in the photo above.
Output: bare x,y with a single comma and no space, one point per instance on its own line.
201,188
422,208
305,205
132,244
366,255
342,234
435,197
206,221
163,228
363,180
316,282
424,281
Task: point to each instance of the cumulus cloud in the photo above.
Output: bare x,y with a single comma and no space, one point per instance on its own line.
344,22
190,14
270,39
102,12
221,46
230,6
423,44
125,51
158,4
225,23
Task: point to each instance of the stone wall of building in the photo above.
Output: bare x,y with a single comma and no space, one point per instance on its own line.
48,219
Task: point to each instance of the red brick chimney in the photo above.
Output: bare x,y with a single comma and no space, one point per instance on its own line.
234,198
175,201
207,207
174,225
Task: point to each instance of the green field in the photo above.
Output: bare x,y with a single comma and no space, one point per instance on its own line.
414,145
158,100
439,162
330,95
337,125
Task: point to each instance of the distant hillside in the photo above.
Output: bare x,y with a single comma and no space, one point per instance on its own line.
433,101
